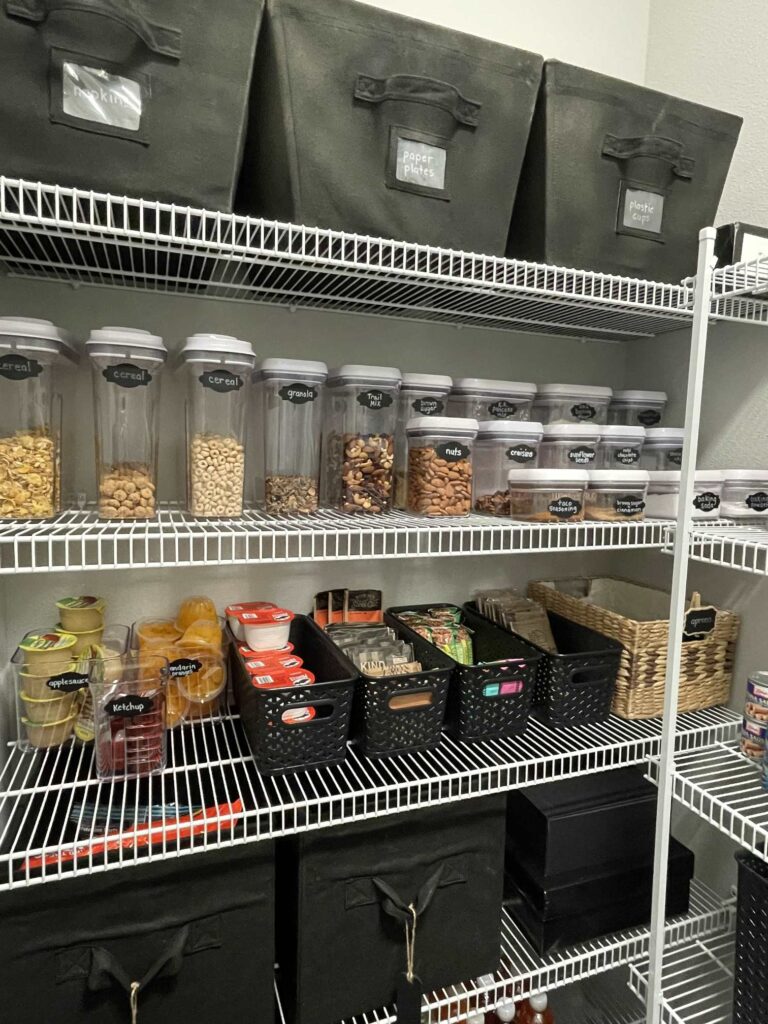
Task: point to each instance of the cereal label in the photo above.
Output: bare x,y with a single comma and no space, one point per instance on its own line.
16,367
221,380
126,375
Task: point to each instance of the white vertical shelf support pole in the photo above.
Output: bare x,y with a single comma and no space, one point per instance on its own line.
701,310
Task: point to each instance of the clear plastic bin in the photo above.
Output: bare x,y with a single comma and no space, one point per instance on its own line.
620,447
218,372
421,394
499,447
359,438
127,368
440,465
292,403
663,449
569,446
547,495
571,403
745,494
480,399
34,356
637,408
616,496
664,494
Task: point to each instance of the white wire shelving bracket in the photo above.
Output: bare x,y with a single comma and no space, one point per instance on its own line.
736,547
54,811
80,236
80,540
697,981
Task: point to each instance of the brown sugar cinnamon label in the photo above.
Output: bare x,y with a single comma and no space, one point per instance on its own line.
629,505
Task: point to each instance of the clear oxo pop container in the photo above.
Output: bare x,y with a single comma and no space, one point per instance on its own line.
663,449
218,372
293,391
440,465
547,495
664,494
481,399
34,356
127,366
569,446
421,394
571,403
745,494
616,496
620,447
501,445
637,408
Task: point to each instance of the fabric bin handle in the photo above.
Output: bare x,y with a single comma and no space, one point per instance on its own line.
654,147
417,89
166,42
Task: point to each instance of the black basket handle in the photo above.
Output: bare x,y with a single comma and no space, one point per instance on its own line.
393,903
166,42
655,147
418,89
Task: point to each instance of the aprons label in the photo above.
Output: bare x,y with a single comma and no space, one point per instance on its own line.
93,94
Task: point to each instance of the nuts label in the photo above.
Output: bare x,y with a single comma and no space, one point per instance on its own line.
707,501
183,667
428,406
221,380
374,399
627,456
67,682
582,455
298,394
129,706
629,505
452,451
16,367
521,453
758,501
502,410
583,411
564,508
675,456
648,417
126,375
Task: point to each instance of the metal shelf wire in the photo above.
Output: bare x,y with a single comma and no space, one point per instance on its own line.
53,807
80,540
697,981
736,547
79,236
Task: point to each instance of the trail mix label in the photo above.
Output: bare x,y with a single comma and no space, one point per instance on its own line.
374,399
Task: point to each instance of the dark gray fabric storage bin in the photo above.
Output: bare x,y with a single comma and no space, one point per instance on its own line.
128,96
371,122
342,953
619,178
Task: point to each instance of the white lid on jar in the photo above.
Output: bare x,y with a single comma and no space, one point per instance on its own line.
575,391
507,430
672,435
233,352
617,432
37,335
618,477
702,477
570,432
111,340
454,426
480,386
551,477
634,397
745,475
385,376
430,383
306,369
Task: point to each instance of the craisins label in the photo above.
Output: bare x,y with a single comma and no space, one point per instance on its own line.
522,453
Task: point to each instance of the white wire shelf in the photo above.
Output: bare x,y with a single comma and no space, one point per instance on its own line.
80,540
748,277
723,787
697,985
79,236
736,547
525,972
53,808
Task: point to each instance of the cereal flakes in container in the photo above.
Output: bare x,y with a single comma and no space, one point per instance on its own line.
745,494
571,403
266,630
440,465
547,495
479,399
616,496
637,408
421,394
501,445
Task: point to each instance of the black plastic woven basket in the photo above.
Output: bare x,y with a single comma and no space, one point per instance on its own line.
750,981
491,699
574,686
279,746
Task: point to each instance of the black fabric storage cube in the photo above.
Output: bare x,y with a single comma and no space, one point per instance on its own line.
128,96
371,122
585,822
348,953
750,988
196,932
619,178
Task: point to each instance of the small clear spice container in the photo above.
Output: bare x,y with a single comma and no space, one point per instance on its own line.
745,494
218,372
501,445
664,494
616,496
292,403
421,394
359,438
571,403
481,399
569,446
637,408
547,495
620,447
663,448
127,366
440,465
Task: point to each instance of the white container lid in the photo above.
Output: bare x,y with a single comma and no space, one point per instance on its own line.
674,434
758,475
480,386
658,397
553,477
121,338
618,477
199,347
456,426
506,429
433,383
387,376
702,477
617,432
576,390
302,368
41,335
570,432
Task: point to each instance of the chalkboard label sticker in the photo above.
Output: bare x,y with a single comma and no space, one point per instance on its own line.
129,706
408,999
707,501
643,211
583,411
629,505
564,508
418,163
699,622
582,455
16,367
648,417
758,501
675,456
127,375
298,394
452,451
67,682
374,399
521,453
428,406
502,410
627,456
183,667
221,380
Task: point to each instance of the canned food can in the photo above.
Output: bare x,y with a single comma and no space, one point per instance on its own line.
753,739
756,706
764,771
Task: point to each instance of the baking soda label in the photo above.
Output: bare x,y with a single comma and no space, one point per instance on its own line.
707,501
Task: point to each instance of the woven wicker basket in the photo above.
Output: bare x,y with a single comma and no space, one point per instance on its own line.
707,664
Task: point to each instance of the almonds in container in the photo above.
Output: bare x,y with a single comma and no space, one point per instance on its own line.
547,495
216,476
440,465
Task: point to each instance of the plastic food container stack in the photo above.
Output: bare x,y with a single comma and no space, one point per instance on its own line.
663,448
745,494
421,394
569,446
637,408
440,465
571,403
499,447
480,399
547,495
664,494
616,496
620,447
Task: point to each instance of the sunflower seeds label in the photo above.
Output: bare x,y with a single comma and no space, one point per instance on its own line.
758,501
428,406
629,505
502,410
452,451
374,399
582,455
16,367
129,706
126,375
183,667
298,394
706,501
521,453
583,411
626,456
221,380
67,682
564,508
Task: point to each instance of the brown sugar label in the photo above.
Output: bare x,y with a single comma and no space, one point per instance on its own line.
629,505
428,406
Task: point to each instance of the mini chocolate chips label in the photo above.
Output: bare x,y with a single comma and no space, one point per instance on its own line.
183,667
298,394
129,707
629,505
627,456
16,367
706,501
374,399
221,380
126,375
452,451
428,406
648,417
502,410
581,455
522,453
675,456
583,411
67,682
758,501
564,508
